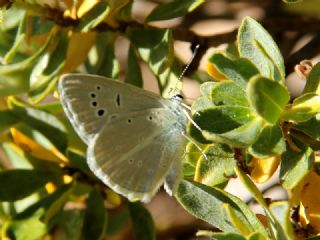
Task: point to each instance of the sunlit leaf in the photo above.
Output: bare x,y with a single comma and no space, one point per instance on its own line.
268,97
173,9
228,93
256,44
303,108
101,58
295,166
216,169
239,70
281,211
99,10
313,80
206,203
270,142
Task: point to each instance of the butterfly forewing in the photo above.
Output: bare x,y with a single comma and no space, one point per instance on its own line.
91,101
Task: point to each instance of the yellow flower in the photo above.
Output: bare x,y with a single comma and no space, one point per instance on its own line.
264,168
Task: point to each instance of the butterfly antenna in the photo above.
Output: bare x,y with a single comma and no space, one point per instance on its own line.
195,51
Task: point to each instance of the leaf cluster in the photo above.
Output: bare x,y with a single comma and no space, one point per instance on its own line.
249,125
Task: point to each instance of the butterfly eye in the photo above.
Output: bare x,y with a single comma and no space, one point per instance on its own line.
179,96
93,95
129,121
150,118
98,87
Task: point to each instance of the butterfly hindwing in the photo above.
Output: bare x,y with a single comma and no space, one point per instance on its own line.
134,161
90,101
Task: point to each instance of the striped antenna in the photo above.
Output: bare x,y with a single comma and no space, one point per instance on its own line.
195,51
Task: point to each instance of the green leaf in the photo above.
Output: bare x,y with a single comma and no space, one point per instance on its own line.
45,72
78,160
143,225
205,100
313,80
193,153
11,19
101,58
94,17
310,127
134,75
7,119
206,88
206,203
95,219
281,211
295,165
202,103
229,93
20,37
292,1
48,124
14,77
222,119
239,70
233,125
255,44
155,47
57,202
69,223
173,9
267,97
251,187
216,169
188,169
220,236
303,108
27,229
19,183
243,229
257,236
274,225
44,203
270,142
14,154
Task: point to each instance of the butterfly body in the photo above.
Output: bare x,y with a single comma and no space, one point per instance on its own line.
134,137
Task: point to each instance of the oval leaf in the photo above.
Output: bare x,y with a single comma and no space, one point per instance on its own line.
238,70
19,183
268,97
255,44
295,165
95,219
173,9
143,225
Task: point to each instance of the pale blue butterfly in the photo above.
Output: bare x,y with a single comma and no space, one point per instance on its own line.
134,137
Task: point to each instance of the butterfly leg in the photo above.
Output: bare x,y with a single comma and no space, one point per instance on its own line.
191,120
189,108
200,149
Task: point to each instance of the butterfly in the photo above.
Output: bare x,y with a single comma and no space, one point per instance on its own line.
135,138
